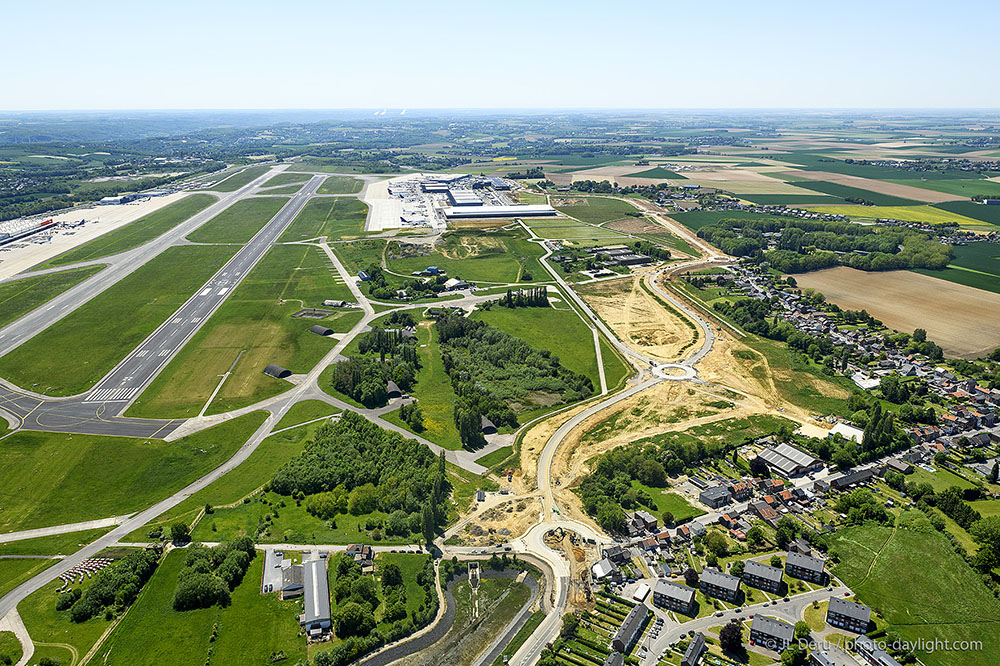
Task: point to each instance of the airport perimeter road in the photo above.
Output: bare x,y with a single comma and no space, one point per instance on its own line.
98,411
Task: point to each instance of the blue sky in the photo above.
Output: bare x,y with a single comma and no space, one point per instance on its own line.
551,54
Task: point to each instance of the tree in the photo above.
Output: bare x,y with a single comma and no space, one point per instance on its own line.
986,533
776,561
716,544
731,637
802,630
793,656
691,578
427,526
391,575
994,472
353,619
737,569
759,468
755,536
668,518
179,533
920,335
569,624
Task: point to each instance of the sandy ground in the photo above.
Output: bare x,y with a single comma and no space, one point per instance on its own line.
905,191
501,523
963,320
100,220
533,442
638,319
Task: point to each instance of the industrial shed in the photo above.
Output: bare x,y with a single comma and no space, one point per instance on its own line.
277,371
320,330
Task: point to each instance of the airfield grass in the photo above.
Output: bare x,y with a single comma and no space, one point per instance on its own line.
10,647
478,256
13,572
657,172
273,452
340,185
287,189
975,265
304,411
982,212
65,640
240,222
596,210
70,356
873,561
240,179
135,233
334,217
20,297
56,544
286,179
560,331
254,325
846,192
495,457
962,188
54,478
249,630
927,214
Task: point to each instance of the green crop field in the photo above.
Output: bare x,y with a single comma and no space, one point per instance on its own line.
656,172
927,214
975,265
988,214
962,188
20,297
286,179
815,161
477,257
240,222
255,326
696,219
71,479
873,561
846,191
335,217
596,210
248,631
135,233
241,179
340,185
792,199
70,356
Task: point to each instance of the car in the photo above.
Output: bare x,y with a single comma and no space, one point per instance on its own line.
785,599
739,610
847,594
766,604
718,613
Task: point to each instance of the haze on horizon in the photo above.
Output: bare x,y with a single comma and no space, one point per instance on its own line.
307,54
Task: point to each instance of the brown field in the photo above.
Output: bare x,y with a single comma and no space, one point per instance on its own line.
905,191
961,319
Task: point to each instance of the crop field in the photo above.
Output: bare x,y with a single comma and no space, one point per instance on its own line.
952,314
846,191
286,179
696,219
112,323
988,214
20,297
835,164
247,631
252,328
240,222
476,256
657,172
962,188
136,233
927,214
340,185
975,265
594,210
71,480
336,217
238,180
792,199
874,559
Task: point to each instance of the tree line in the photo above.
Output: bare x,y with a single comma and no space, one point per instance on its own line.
113,589
211,574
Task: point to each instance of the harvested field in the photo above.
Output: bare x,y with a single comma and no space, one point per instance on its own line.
955,316
894,189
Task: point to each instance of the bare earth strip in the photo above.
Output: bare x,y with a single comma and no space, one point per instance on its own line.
894,189
959,318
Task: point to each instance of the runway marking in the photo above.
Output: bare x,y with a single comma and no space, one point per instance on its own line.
112,394
176,320
196,320
142,354
164,352
206,291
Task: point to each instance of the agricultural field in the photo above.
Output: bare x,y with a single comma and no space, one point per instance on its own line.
844,192
927,214
340,185
112,323
334,217
900,299
20,297
657,172
988,214
250,330
240,179
71,480
874,559
960,188
240,222
594,210
136,233
975,265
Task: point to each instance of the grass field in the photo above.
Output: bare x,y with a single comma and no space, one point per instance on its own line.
20,297
272,453
615,369
560,331
696,219
875,559
286,179
286,189
799,381
254,325
666,500
249,630
595,210
792,199
13,572
483,256
70,356
496,457
240,222
340,185
975,265
988,214
335,217
56,544
657,172
135,233
10,647
238,180
70,479
962,187
307,410
940,480
927,214
846,191
520,637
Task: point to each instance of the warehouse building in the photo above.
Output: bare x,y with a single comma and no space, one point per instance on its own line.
788,460
464,198
316,618
520,210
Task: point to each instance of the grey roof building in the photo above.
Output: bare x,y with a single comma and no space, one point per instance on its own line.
762,576
694,650
848,615
316,618
714,583
872,653
673,596
715,497
804,566
615,659
788,460
771,633
628,633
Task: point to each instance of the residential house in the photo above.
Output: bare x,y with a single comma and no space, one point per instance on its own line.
741,490
694,650
673,596
762,576
714,583
627,634
771,633
805,567
872,654
848,615
715,497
